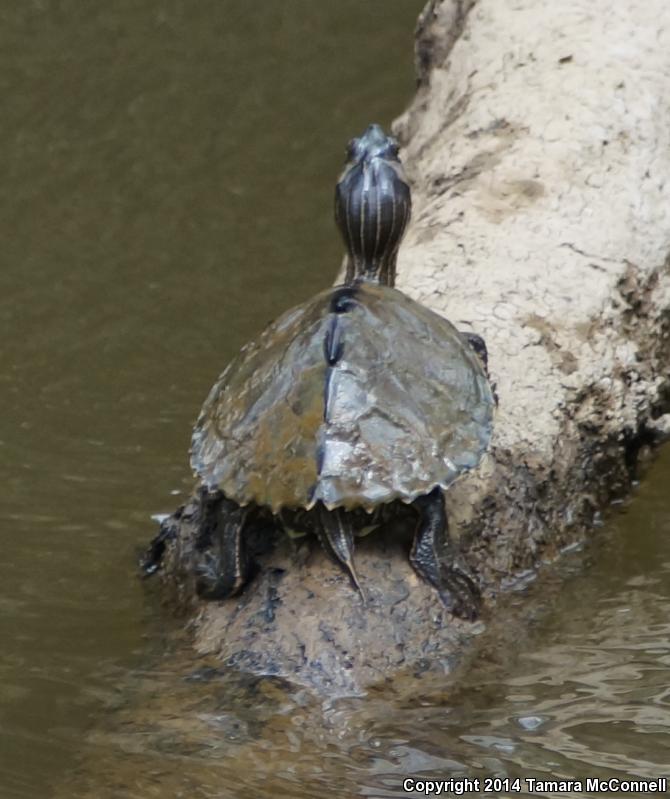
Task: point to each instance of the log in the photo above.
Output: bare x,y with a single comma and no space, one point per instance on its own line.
538,146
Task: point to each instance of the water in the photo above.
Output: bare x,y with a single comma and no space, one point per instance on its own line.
571,682
167,176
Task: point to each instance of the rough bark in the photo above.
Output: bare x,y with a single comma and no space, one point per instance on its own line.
539,149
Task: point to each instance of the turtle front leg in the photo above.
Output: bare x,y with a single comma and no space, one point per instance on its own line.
479,346
335,531
222,568
436,559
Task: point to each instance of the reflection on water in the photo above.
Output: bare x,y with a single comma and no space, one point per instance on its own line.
572,683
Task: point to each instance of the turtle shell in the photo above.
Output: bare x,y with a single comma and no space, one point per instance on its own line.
354,402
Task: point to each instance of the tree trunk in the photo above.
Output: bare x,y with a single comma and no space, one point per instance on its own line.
538,146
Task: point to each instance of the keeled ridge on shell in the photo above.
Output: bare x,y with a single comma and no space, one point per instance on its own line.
408,408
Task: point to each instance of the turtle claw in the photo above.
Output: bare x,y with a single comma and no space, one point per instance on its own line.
460,594
151,560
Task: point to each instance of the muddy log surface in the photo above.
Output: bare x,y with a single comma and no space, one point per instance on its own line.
538,146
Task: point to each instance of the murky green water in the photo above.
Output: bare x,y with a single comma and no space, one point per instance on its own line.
167,173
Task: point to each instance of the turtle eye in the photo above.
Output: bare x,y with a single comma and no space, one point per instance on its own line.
392,149
352,149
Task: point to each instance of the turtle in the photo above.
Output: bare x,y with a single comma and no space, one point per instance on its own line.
355,406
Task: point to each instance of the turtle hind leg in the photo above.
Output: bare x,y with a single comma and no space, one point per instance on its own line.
335,531
222,568
436,560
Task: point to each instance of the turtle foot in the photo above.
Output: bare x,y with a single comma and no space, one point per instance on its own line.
436,559
460,594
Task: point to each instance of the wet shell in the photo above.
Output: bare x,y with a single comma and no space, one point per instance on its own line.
357,397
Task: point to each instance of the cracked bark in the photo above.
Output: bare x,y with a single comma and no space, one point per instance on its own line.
539,150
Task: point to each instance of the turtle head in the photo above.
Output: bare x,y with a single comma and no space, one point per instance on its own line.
372,206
